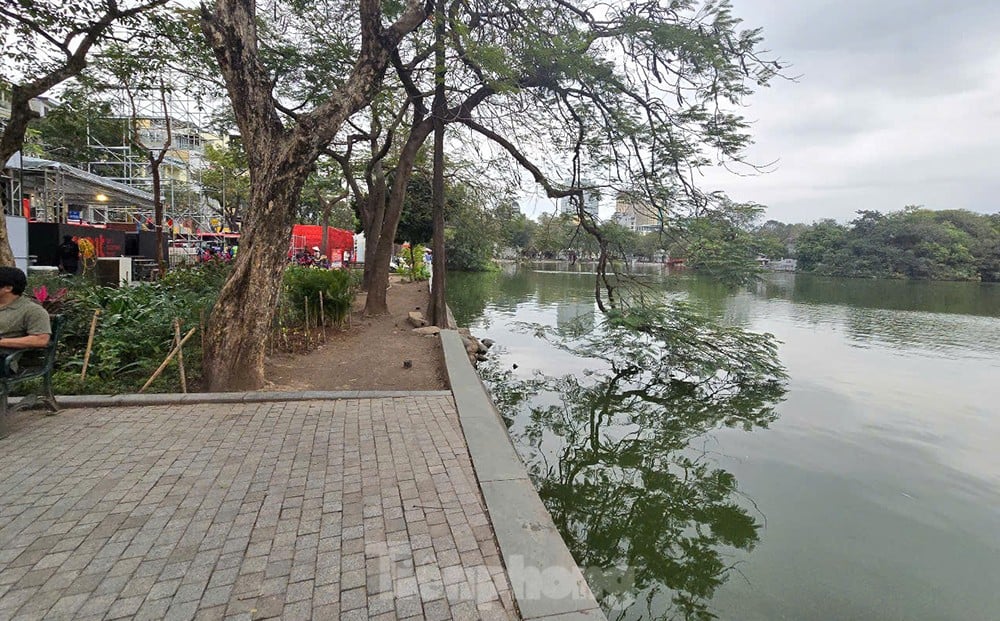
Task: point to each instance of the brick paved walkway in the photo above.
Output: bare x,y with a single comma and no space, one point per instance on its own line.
352,509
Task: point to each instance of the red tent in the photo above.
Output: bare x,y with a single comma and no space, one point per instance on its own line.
305,236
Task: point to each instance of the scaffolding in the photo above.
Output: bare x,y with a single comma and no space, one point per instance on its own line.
128,163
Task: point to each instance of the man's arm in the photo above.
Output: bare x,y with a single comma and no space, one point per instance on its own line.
25,342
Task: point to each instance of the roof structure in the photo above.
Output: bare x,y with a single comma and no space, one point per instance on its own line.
76,185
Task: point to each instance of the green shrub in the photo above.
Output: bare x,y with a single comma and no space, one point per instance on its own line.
411,264
207,277
304,286
135,329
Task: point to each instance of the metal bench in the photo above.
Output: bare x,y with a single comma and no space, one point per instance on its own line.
26,364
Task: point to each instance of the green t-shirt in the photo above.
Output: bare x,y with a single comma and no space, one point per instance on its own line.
23,317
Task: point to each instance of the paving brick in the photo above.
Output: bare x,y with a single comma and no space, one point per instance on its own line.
125,607
215,613
216,596
357,508
269,606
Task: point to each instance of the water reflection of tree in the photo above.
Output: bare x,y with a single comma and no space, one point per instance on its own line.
625,487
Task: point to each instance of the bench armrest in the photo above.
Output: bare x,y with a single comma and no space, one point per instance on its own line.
9,364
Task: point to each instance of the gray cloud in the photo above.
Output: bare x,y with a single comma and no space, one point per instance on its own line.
898,103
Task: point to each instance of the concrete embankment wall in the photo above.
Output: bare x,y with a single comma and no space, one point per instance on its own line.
546,580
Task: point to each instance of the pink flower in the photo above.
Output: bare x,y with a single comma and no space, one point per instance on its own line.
41,295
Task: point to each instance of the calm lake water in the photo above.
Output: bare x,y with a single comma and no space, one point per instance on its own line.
873,492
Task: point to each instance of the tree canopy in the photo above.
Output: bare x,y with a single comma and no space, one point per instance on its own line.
632,97
912,243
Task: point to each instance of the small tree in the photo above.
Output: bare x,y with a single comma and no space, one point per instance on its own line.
226,181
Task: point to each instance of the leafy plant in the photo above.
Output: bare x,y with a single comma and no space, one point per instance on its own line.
49,301
411,263
134,329
305,286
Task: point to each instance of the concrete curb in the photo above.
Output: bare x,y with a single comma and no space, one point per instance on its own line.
94,401
546,581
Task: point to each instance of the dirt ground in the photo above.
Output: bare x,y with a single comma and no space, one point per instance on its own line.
369,353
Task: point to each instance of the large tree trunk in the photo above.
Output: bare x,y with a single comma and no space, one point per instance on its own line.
439,312
241,320
325,239
280,161
439,309
10,142
375,301
375,216
371,249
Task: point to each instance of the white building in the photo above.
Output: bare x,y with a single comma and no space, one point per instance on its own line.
591,200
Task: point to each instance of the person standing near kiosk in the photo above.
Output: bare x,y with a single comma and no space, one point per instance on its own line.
69,255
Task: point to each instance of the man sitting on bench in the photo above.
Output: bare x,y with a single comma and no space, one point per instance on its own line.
23,323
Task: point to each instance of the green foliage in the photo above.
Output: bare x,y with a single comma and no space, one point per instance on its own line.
778,240
553,235
417,222
203,278
720,242
913,243
323,199
67,131
624,243
135,328
306,286
816,242
411,263
472,233
226,179
516,230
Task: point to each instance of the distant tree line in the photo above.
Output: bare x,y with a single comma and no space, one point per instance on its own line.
914,243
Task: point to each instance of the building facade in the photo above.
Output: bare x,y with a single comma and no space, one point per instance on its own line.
637,215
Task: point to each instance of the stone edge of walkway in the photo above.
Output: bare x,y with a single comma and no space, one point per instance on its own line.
546,582
93,401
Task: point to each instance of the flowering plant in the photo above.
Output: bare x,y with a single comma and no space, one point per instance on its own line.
50,302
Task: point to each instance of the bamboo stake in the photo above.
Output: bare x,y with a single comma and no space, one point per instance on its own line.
305,304
180,354
322,315
167,360
90,345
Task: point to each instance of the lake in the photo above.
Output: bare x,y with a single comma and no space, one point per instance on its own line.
871,489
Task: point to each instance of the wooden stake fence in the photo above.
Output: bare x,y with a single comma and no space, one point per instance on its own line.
322,315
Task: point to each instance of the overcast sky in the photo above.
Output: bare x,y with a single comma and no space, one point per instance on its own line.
897,103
